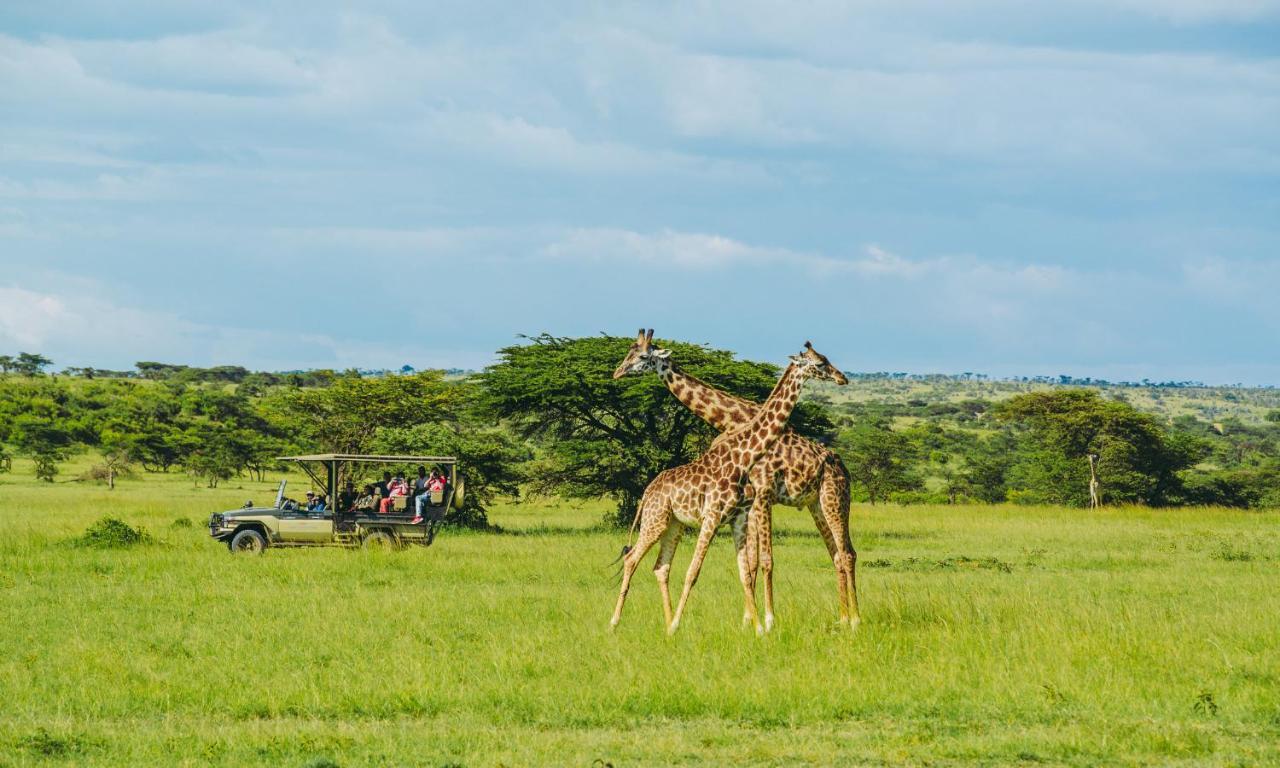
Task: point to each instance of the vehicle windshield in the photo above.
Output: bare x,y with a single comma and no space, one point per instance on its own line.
280,494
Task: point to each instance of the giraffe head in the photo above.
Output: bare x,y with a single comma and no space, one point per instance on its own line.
642,357
815,365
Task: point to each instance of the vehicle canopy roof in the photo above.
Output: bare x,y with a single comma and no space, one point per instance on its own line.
373,459
335,465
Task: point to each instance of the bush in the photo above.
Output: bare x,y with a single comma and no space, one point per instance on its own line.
110,533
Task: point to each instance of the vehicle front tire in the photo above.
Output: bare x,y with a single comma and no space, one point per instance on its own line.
380,540
249,542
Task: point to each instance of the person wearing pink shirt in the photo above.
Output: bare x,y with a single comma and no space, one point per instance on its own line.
396,488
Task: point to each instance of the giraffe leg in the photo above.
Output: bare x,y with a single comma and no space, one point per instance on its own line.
662,568
708,532
762,517
820,522
834,498
745,539
650,531
744,544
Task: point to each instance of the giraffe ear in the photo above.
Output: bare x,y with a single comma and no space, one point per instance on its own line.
662,353
797,359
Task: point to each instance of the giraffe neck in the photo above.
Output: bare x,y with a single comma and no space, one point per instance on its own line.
770,421
720,409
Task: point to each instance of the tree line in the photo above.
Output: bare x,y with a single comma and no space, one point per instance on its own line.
547,418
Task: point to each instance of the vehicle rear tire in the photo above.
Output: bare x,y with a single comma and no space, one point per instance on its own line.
382,541
249,542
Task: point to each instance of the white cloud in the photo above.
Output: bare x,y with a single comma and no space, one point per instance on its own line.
80,328
1004,103
694,250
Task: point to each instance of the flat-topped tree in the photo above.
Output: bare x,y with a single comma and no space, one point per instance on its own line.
604,437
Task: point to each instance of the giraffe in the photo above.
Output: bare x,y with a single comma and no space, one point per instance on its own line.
1095,489
798,472
705,491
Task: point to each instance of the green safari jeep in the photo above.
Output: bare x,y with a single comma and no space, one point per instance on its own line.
287,523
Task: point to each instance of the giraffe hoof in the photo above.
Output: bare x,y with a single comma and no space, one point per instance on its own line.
854,622
768,623
759,631
671,630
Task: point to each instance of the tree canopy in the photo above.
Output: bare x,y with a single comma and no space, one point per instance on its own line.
597,436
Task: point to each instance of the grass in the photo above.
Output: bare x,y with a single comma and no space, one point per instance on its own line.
992,635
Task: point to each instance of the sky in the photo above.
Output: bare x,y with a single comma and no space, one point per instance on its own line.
1080,187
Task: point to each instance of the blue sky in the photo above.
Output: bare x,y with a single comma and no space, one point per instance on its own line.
1081,187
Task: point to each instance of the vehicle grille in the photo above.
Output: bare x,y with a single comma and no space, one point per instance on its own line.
215,522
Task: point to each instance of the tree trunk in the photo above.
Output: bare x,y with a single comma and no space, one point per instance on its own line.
111,479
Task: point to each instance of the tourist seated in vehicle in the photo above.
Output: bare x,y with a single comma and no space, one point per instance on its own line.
397,489
384,486
437,481
347,497
421,491
368,500
311,501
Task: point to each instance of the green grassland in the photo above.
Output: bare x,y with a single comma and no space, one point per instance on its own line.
992,635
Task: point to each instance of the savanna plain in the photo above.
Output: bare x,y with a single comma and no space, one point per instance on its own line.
994,635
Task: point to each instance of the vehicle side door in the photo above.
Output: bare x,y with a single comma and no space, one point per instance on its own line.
302,526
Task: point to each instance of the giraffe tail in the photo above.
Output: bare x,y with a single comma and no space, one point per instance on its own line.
626,548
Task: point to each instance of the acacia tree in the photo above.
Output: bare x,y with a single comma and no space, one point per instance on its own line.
31,364
346,416
1138,460
604,437
879,459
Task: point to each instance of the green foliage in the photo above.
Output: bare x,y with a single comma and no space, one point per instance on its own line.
598,436
112,533
879,460
1138,462
346,417
988,465
29,364
41,422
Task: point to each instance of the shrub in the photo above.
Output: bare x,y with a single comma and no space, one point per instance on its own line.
110,533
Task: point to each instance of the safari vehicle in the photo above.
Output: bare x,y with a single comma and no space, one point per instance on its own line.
287,523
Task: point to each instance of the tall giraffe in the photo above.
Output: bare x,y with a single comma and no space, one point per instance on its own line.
705,491
1095,488
798,472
